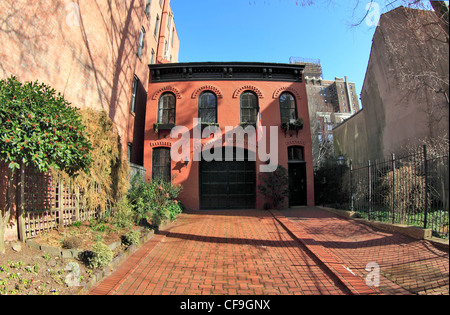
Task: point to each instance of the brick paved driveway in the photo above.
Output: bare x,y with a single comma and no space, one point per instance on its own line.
296,251
406,265
229,252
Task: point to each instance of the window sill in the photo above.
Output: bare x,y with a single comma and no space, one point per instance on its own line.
160,127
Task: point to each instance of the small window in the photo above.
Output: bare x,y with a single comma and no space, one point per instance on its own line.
133,94
166,109
156,27
295,154
152,58
288,107
147,8
207,107
141,43
249,107
129,151
173,35
161,163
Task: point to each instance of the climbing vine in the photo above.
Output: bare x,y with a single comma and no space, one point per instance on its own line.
108,177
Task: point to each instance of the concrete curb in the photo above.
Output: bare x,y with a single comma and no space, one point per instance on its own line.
355,284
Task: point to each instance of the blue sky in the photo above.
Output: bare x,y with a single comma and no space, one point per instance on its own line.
273,31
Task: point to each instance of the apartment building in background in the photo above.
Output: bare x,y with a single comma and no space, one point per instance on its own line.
96,53
330,102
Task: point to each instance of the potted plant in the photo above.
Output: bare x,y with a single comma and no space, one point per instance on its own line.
292,124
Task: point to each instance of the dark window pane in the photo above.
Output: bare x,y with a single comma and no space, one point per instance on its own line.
288,107
166,109
161,163
249,107
207,107
295,154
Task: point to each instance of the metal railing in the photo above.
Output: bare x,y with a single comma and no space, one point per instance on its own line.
411,190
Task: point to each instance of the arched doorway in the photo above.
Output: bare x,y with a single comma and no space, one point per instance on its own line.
228,184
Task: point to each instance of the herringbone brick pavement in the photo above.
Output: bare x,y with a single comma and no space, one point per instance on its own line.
226,253
406,265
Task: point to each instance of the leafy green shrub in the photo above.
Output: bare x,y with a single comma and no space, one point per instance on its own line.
174,209
39,127
155,200
101,255
131,238
123,216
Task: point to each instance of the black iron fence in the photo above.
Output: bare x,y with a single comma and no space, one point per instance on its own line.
411,189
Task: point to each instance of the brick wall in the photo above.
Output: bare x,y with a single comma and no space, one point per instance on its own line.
85,49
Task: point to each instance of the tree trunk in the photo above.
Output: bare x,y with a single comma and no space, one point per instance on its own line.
5,214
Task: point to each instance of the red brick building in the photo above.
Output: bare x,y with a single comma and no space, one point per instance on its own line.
95,53
226,96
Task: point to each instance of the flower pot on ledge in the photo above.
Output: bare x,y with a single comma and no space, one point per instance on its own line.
292,125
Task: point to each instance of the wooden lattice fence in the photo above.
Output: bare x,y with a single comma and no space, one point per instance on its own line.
43,203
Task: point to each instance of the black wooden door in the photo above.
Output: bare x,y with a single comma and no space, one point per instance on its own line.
297,184
228,184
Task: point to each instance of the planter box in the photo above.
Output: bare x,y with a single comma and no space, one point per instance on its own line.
157,127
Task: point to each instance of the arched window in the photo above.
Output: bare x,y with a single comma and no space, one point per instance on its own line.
161,164
288,107
249,107
207,107
166,109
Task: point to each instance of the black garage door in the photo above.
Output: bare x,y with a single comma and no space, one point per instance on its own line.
228,184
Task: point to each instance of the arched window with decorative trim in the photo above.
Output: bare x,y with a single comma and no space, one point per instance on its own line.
207,107
249,107
288,107
166,108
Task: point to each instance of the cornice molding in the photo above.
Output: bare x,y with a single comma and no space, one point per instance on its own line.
226,71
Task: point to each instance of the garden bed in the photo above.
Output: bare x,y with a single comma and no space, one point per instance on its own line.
32,272
46,266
